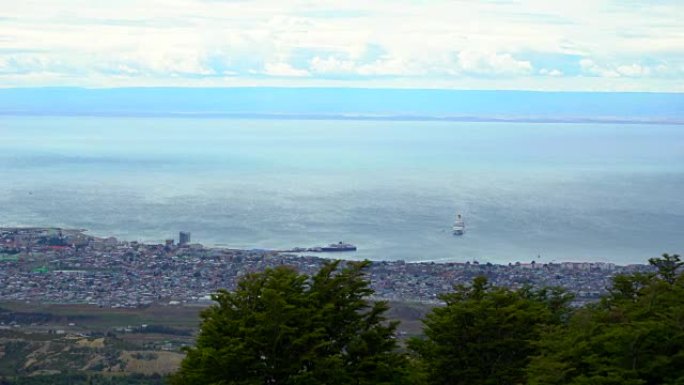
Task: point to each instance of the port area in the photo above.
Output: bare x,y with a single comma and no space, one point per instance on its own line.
318,249
333,247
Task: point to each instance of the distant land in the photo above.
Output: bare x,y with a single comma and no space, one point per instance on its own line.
348,104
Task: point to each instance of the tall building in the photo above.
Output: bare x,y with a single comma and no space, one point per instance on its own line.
184,238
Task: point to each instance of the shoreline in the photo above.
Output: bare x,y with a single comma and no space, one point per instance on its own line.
301,252
59,265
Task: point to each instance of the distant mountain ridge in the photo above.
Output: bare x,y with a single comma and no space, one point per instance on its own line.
348,103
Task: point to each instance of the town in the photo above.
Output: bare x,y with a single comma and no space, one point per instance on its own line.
66,266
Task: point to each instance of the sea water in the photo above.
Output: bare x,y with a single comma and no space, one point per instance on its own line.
527,191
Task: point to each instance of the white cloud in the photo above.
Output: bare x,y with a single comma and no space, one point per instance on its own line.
634,70
355,41
630,70
492,63
550,72
283,69
390,67
331,65
589,67
381,67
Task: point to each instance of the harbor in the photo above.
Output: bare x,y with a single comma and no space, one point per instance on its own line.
331,248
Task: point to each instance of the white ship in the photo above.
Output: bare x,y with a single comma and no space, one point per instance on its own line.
459,226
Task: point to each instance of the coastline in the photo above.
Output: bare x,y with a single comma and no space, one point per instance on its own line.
70,267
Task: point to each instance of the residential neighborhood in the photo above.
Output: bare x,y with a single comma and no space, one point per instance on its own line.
49,265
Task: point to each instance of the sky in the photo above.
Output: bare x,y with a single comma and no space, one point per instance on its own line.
579,45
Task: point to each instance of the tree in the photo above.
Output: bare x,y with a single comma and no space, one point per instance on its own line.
485,334
635,335
281,327
667,266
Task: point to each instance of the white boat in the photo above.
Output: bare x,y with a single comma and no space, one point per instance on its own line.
459,226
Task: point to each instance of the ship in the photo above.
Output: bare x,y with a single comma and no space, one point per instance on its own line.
340,246
459,226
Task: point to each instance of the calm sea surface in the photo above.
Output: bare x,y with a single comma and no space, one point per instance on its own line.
544,192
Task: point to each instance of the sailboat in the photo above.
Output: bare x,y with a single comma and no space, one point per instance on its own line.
459,226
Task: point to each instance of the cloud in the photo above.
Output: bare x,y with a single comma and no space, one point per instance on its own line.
394,43
492,63
336,67
633,70
629,70
550,72
332,65
390,67
589,67
283,69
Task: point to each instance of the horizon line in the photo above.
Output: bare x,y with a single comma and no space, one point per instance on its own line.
276,87
352,117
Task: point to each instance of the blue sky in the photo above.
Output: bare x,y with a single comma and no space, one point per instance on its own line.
580,45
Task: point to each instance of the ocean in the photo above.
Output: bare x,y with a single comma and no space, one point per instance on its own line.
528,191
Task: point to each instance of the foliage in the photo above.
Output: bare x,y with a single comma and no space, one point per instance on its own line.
635,335
485,334
281,327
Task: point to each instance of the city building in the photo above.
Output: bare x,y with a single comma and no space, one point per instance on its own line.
184,238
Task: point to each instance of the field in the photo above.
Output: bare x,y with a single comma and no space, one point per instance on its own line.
102,319
58,338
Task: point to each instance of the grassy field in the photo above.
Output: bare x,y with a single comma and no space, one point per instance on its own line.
49,338
102,319
99,319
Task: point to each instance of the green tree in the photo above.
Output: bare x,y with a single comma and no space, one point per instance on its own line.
635,335
486,334
281,327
